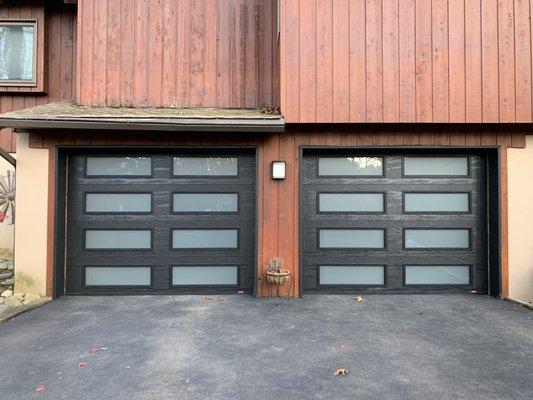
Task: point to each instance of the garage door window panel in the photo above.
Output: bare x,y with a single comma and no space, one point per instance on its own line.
205,239
348,166
430,167
438,275
205,203
118,167
118,203
205,275
212,167
436,203
118,239
351,275
357,239
117,276
351,203
437,239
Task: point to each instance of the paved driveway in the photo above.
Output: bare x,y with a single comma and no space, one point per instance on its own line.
186,347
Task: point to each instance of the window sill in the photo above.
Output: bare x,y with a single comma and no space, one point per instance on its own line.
32,88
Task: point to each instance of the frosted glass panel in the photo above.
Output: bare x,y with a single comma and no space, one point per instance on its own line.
437,238
117,276
352,238
118,202
350,166
204,238
119,166
437,275
436,166
205,275
205,166
17,47
118,239
352,275
437,202
351,202
205,202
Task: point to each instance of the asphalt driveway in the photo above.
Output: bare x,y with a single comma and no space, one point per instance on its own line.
238,347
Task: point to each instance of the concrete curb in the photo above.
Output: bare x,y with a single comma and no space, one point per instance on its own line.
19,310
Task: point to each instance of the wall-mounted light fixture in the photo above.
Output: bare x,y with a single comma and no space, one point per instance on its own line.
278,170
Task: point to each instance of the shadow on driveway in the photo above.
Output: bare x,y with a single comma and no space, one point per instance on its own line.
187,347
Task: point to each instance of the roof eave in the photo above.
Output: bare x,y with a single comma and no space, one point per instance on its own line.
178,125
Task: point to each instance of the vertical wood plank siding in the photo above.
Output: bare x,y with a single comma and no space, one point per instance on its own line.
178,53
60,27
406,61
278,201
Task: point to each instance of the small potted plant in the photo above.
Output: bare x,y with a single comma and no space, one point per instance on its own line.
275,273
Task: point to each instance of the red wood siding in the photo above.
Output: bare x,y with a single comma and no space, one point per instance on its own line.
178,53
406,61
60,28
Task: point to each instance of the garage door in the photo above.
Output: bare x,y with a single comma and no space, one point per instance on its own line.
394,223
157,223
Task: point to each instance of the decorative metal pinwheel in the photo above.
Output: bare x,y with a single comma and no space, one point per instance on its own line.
7,197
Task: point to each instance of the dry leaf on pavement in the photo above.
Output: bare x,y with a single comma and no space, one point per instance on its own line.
340,372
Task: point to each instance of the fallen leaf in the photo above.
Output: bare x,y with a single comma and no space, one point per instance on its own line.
340,372
208,298
342,347
359,299
82,364
40,389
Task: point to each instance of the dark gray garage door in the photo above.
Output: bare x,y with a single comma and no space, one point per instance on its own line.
394,222
157,223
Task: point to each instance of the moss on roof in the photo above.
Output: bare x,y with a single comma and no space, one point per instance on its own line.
70,111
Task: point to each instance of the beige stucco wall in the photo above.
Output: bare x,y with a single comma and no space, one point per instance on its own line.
520,178
31,202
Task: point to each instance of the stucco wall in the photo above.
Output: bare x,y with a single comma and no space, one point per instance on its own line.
31,220
520,168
